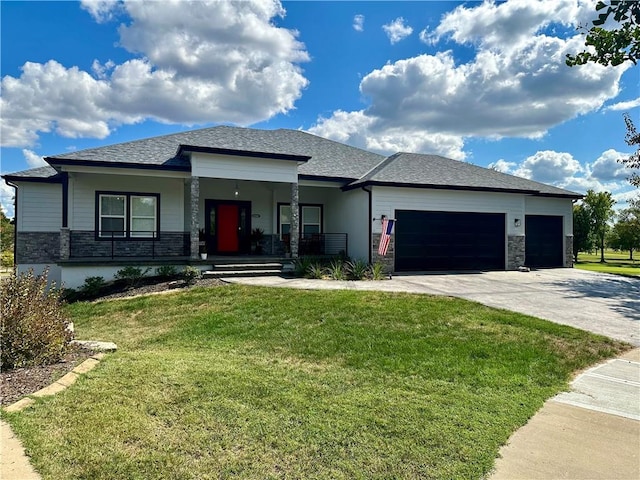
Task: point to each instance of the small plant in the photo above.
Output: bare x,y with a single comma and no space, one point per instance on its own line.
33,326
301,266
166,271
336,270
357,269
131,275
92,286
7,259
190,274
376,271
315,271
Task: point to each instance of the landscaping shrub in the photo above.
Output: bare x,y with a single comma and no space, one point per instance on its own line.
376,271
167,271
7,259
301,266
190,274
315,271
131,275
92,286
337,270
357,269
33,327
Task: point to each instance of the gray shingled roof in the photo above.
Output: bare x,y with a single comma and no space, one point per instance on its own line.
328,158
412,169
40,173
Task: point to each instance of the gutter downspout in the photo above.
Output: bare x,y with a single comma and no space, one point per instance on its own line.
369,220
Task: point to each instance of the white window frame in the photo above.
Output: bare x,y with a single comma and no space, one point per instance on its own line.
123,216
301,217
128,216
154,217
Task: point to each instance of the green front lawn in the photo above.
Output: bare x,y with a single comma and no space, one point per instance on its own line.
276,383
616,262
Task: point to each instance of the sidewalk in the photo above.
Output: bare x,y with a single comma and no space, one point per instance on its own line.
14,464
592,432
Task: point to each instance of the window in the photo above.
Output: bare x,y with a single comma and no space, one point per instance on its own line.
310,219
127,215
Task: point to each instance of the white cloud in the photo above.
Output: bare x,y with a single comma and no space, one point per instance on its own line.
628,105
502,165
607,166
33,159
205,62
397,30
516,85
7,195
101,10
358,23
549,166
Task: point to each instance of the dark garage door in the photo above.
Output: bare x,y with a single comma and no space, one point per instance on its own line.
543,241
449,241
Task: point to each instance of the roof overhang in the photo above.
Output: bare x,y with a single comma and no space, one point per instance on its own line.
59,162
241,153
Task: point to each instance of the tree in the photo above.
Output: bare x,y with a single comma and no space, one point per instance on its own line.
633,161
6,240
612,46
600,209
582,238
625,234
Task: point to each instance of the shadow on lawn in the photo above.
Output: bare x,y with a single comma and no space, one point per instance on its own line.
623,293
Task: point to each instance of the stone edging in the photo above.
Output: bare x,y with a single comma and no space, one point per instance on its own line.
63,382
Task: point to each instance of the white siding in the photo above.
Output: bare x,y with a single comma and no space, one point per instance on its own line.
39,207
244,168
348,212
386,200
552,206
82,203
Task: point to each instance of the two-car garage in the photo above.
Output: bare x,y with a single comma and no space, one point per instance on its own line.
441,241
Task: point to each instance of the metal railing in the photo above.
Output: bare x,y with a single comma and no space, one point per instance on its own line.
322,244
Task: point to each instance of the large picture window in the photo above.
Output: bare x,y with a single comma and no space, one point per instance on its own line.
310,219
127,215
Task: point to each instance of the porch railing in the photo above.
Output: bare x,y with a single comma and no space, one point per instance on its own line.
112,244
322,244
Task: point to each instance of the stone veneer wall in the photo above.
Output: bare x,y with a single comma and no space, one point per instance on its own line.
568,251
170,244
37,247
515,251
388,259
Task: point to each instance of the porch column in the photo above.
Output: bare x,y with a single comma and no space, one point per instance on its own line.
195,215
294,232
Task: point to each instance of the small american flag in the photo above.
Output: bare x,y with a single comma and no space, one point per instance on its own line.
387,228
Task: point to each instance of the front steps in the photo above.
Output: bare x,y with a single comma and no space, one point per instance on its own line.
249,267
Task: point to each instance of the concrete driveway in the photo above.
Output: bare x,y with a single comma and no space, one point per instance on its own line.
597,302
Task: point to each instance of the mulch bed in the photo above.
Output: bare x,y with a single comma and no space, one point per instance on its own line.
19,382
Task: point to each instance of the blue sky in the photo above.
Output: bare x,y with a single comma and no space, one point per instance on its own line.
477,81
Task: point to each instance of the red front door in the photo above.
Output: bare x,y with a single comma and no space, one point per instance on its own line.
228,228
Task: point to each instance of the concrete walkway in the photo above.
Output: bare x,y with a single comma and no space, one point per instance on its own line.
14,464
591,432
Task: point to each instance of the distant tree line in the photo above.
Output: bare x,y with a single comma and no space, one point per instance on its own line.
596,225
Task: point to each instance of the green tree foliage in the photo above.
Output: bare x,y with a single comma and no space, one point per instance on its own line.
633,161
612,46
625,234
582,238
600,209
6,240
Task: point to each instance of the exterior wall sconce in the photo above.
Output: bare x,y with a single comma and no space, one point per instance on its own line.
516,222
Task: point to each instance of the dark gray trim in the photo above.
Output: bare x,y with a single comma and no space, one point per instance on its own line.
65,200
15,178
325,179
54,162
454,187
241,153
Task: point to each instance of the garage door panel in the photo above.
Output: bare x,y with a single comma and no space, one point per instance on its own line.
544,241
449,241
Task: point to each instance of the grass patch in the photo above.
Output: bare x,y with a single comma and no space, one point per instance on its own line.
617,263
277,383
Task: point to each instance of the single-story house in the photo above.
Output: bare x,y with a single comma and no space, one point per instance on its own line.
164,200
